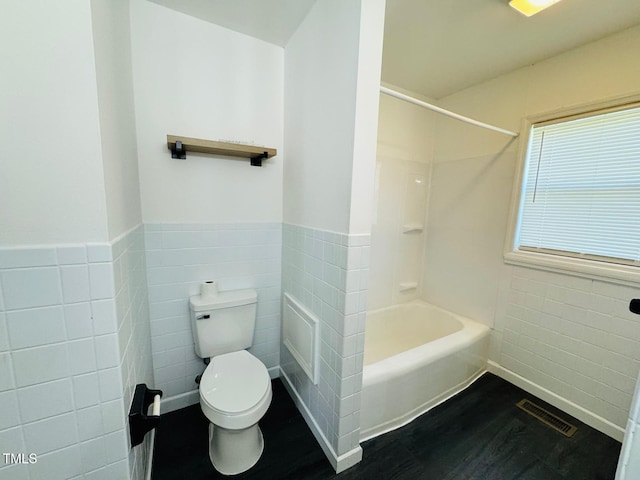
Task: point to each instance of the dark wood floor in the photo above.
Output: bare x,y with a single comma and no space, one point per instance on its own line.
479,434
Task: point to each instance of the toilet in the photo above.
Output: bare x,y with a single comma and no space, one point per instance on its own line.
235,388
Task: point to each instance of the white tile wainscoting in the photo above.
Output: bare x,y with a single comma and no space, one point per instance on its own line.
182,256
571,336
72,344
328,273
134,333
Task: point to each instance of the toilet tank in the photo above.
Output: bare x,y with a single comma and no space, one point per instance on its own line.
223,323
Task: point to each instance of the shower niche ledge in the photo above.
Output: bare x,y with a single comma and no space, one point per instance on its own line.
408,286
412,228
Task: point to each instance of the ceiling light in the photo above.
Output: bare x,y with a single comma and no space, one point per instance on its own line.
531,7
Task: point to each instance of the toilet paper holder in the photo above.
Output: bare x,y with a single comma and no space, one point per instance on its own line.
139,422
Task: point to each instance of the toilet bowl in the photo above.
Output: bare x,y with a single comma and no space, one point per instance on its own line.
235,393
235,388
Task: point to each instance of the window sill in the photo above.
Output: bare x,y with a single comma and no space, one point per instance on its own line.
607,272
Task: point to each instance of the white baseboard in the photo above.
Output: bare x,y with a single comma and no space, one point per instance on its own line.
339,463
593,420
274,372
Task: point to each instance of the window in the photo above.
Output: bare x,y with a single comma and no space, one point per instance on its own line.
580,191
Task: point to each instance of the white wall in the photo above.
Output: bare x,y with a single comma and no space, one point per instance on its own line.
405,150
321,75
51,181
200,80
569,335
112,45
366,116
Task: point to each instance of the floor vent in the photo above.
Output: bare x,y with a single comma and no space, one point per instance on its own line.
547,418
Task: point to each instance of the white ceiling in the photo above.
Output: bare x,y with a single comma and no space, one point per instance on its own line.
273,21
437,47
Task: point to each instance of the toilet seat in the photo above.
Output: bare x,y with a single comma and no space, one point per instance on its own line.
235,390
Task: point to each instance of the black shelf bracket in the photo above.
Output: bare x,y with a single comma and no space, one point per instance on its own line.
178,151
139,422
257,160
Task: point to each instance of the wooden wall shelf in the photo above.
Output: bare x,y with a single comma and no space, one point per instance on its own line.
179,147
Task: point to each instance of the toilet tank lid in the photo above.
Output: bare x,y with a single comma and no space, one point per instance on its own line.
230,298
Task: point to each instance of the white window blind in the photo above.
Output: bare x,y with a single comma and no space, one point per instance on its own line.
581,190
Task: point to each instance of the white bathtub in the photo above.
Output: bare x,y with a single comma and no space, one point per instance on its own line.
416,355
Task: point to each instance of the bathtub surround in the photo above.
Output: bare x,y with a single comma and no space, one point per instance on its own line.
182,256
75,323
398,235
403,176
327,273
564,337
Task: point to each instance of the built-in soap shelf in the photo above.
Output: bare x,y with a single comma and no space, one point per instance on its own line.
179,147
407,286
412,228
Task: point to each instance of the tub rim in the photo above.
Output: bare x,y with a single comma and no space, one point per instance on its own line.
427,353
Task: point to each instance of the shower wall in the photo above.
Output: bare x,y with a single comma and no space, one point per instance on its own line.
566,338
403,169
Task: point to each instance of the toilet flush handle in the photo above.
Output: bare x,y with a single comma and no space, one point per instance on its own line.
203,317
